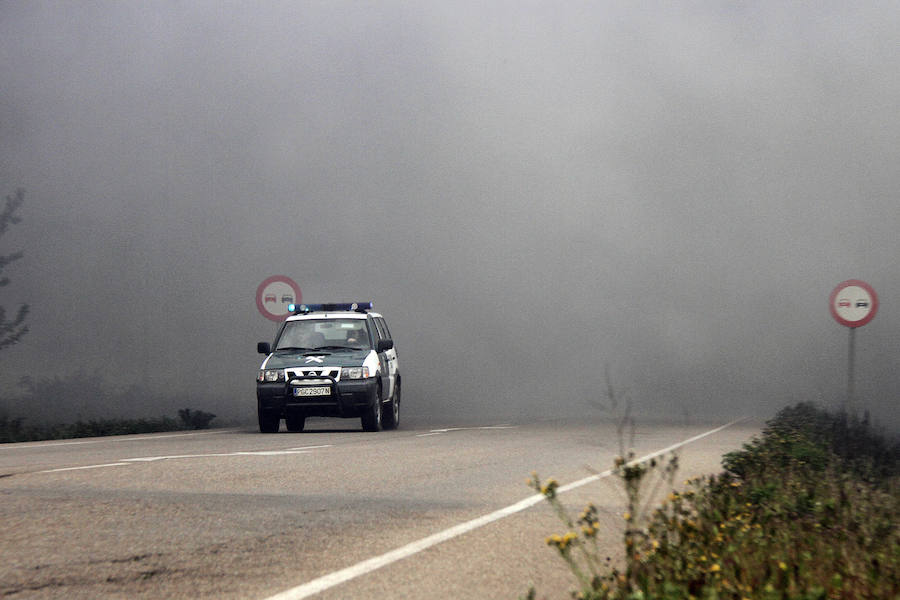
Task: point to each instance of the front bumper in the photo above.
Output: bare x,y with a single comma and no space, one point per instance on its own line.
347,398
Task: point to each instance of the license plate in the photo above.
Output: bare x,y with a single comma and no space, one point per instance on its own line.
312,391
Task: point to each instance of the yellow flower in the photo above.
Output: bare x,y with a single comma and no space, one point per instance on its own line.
627,516
549,489
782,566
715,569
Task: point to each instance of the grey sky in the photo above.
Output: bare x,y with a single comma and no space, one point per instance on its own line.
528,190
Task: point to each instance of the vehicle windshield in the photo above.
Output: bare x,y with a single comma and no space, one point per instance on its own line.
324,334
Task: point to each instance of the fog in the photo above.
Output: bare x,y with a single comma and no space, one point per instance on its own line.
534,194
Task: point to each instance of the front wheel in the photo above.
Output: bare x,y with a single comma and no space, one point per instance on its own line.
371,419
392,416
268,422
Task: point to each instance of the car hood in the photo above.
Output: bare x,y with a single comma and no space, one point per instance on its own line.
330,358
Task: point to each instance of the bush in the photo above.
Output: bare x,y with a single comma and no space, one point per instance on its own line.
809,510
14,430
196,419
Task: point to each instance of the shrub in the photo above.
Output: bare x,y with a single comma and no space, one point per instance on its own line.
14,430
809,510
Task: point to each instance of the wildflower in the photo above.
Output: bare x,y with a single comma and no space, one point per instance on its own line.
627,516
782,565
715,568
549,488
655,544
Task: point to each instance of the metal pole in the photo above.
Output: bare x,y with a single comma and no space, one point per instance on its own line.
849,408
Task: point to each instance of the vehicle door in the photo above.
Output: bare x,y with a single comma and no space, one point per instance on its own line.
391,355
383,363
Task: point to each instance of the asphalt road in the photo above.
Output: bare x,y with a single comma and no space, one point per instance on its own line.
428,511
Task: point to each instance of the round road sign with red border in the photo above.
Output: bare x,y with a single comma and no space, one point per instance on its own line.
853,303
275,294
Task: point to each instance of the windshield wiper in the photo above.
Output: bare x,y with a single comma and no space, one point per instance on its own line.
292,348
336,348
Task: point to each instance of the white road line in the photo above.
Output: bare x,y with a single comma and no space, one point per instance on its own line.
449,429
27,445
367,566
118,464
147,459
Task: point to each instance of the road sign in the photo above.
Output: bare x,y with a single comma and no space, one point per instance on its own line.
853,303
275,294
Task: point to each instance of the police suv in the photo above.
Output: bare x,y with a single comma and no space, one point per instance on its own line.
329,360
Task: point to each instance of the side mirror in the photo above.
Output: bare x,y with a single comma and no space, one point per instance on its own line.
263,348
384,345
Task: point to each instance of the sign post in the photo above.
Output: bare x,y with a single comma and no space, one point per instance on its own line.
275,294
853,303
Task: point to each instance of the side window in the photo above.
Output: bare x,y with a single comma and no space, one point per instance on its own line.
381,334
384,327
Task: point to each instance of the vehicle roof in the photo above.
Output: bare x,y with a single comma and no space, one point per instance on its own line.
333,314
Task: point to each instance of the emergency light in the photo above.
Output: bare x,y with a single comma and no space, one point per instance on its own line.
302,309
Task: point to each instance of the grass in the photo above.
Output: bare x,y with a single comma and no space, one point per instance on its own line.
809,510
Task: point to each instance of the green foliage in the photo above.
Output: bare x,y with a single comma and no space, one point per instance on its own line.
14,429
51,402
818,439
809,510
195,419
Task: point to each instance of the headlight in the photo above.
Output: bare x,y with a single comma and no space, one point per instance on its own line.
355,373
270,376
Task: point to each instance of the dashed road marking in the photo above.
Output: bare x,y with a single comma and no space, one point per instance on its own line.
148,459
118,464
449,429
28,445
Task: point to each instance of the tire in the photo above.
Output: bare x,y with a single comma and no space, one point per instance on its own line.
268,422
391,418
295,423
371,419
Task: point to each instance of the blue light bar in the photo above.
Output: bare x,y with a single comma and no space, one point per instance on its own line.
308,308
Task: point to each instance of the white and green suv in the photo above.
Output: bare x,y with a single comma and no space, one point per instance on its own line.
329,360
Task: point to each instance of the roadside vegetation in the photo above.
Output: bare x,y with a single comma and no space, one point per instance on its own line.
84,404
15,429
808,510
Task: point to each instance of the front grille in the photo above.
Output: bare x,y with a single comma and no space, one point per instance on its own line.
332,372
